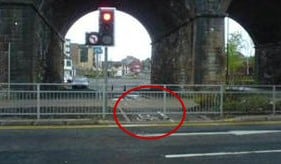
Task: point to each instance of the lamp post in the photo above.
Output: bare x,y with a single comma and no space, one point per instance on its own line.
248,45
9,69
227,50
16,23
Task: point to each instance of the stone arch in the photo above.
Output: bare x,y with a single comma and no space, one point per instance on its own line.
161,21
195,26
259,18
157,19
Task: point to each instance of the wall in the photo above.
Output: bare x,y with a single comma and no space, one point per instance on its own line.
186,50
194,52
35,48
17,27
172,58
209,50
268,61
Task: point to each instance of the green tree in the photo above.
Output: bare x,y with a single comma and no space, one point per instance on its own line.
235,59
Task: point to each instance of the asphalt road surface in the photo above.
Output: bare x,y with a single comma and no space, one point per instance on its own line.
212,144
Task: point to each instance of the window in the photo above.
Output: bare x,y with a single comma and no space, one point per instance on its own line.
83,54
68,63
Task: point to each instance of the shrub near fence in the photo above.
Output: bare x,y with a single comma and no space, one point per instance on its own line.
250,99
247,104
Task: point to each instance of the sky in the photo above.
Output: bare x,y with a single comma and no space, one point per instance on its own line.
234,26
131,37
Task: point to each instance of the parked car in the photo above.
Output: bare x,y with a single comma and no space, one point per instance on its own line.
80,83
67,79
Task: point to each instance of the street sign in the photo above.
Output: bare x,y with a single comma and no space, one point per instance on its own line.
98,50
92,38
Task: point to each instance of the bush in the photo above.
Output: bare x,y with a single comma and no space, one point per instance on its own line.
278,105
248,104
207,100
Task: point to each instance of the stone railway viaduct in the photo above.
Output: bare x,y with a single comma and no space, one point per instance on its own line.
187,36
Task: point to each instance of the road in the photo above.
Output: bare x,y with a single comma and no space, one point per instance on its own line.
119,83
211,144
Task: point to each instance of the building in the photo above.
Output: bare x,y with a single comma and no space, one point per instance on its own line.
114,68
131,66
68,66
68,70
66,48
83,57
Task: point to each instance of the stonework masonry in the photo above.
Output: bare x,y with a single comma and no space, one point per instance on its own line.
17,29
268,63
172,58
187,37
34,47
193,54
209,49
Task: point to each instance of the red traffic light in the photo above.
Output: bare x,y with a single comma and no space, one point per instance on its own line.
107,16
106,26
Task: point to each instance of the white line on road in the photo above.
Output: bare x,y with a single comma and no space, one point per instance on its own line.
233,132
220,154
249,132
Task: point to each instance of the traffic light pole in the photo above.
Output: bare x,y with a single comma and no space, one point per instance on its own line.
105,75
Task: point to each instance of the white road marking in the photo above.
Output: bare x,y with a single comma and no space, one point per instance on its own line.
186,134
220,154
233,132
249,132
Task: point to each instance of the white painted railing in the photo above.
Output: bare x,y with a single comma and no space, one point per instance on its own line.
61,101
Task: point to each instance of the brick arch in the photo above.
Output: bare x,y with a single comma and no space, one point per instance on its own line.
187,32
157,19
259,18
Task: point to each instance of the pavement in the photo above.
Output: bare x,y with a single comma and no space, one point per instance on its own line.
192,120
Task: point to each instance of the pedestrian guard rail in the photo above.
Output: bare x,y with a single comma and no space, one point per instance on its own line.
62,101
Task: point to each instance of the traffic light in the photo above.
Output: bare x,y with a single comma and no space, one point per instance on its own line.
106,26
92,38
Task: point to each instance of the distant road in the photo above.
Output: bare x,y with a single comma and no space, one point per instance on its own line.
208,145
119,83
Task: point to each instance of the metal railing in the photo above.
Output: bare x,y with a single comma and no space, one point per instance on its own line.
61,101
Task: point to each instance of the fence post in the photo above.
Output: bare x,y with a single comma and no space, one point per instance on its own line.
273,99
165,101
38,101
221,100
